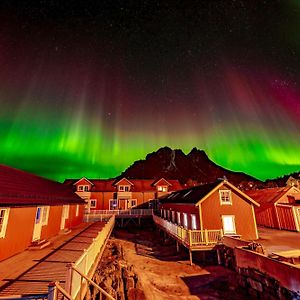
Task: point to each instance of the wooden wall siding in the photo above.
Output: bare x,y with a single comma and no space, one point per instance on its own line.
19,231
267,217
286,218
212,212
20,226
53,226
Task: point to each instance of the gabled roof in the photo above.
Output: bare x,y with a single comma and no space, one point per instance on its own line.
123,179
161,181
19,188
138,185
270,196
84,179
198,194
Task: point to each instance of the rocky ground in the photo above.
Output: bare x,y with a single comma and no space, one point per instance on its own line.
139,264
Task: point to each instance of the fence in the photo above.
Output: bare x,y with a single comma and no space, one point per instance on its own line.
125,213
75,282
190,238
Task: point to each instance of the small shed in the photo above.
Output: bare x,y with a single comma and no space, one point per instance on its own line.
279,207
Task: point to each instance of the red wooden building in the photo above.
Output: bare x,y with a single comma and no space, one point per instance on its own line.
214,206
111,194
33,209
279,207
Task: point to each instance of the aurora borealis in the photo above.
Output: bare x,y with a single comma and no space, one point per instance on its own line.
87,88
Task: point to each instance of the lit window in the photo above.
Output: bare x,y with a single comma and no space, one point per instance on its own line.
93,203
45,214
225,197
77,210
228,225
3,221
162,188
185,221
194,222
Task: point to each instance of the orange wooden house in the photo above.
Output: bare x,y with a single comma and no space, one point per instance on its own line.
279,207
214,206
33,209
111,194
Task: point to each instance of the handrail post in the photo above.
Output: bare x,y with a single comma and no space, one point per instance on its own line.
206,236
52,291
190,237
69,278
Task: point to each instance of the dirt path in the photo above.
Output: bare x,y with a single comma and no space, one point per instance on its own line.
163,274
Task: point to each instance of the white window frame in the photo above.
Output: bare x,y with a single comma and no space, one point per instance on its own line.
83,188
222,195
133,202
93,206
124,188
185,221
77,210
45,214
233,222
4,223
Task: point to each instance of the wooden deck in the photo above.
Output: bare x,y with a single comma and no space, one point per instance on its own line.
47,265
194,240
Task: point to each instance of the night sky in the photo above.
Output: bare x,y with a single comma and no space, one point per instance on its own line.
86,89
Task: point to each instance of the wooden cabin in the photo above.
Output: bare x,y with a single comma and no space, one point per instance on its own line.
215,206
33,209
123,194
279,207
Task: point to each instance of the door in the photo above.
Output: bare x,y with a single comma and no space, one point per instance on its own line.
194,222
64,216
37,230
228,225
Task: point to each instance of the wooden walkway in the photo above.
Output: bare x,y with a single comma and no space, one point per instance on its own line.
51,267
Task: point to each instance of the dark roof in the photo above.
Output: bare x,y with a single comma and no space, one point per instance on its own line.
190,195
139,185
19,188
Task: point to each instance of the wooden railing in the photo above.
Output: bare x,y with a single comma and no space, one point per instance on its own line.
190,238
75,282
104,214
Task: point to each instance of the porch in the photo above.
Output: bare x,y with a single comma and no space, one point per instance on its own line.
193,240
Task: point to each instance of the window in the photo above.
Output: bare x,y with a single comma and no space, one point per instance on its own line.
162,188
93,203
124,188
77,210
3,221
185,221
113,203
194,222
83,188
228,224
133,202
45,214
178,218
225,197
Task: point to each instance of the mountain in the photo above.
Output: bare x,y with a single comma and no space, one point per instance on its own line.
193,168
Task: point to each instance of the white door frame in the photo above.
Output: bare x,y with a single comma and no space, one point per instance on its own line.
37,229
64,216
